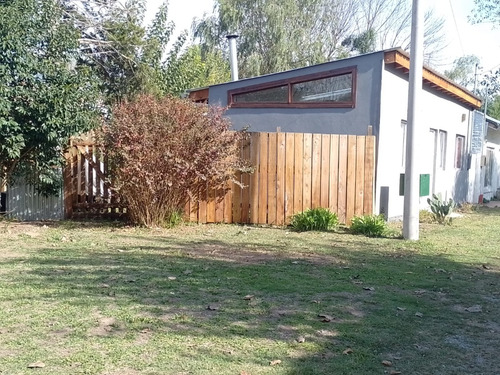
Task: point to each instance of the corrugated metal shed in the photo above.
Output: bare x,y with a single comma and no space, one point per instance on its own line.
25,204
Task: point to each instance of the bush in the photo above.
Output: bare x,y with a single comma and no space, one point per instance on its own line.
369,225
441,209
320,219
426,217
164,151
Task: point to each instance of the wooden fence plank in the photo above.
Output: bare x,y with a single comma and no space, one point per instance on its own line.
289,176
245,180
263,164
254,178
280,179
298,199
325,170
334,173
351,178
342,183
316,171
271,179
306,172
202,209
228,203
360,175
210,204
219,205
369,175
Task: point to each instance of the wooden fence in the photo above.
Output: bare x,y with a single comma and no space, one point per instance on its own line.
292,172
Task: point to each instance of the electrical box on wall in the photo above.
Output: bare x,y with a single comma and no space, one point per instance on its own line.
425,182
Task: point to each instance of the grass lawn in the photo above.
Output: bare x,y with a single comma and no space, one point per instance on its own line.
86,298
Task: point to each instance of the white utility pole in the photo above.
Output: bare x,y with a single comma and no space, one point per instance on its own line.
412,170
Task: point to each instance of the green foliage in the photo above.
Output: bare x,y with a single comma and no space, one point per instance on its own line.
319,219
463,71
369,225
441,209
486,11
45,94
164,151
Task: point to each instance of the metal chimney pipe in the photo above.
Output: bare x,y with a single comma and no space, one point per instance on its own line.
233,57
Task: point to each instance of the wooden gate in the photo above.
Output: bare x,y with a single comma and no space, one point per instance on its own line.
87,192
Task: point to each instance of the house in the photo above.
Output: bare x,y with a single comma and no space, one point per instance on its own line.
367,94
489,175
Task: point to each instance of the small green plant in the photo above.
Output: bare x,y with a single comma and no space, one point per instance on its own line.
174,219
441,209
369,225
320,219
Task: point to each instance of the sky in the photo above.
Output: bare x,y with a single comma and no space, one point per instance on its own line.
482,40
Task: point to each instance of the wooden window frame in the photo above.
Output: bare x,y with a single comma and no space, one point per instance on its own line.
290,82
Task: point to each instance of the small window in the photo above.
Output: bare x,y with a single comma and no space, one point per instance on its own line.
271,95
459,151
488,171
332,89
442,149
403,148
335,88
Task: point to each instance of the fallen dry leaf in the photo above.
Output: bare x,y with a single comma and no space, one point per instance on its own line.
419,315
172,278
301,339
486,267
326,318
395,372
474,309
275,362
387,363
419,292
348,351
401,308
213,307
37,364
248,297
369,288
187,272
244,373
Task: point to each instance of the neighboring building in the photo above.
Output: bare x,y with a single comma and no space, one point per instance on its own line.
361,95
490,161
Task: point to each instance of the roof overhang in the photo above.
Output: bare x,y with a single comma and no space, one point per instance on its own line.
401,61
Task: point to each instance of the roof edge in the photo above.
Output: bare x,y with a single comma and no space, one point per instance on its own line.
401,60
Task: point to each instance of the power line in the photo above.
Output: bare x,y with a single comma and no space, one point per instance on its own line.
456,27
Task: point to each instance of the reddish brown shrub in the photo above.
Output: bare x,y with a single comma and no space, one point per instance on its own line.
162,151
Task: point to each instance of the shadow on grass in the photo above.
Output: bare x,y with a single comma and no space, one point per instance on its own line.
383,299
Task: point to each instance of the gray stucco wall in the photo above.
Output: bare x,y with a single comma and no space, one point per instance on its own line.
313,120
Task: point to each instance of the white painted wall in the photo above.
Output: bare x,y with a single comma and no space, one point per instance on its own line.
437,112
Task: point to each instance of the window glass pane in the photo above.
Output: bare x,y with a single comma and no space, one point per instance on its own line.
272,95
459,151
442,149
332,89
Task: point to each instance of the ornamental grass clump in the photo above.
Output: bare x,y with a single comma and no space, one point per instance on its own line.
163,152
369,225
319,219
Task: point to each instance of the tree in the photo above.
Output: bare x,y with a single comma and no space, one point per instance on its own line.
286,34
463,71
45,95
486,11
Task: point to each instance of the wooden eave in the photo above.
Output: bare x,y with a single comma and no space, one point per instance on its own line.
199,95
401,61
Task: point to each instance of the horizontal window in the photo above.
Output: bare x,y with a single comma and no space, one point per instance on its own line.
335,88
